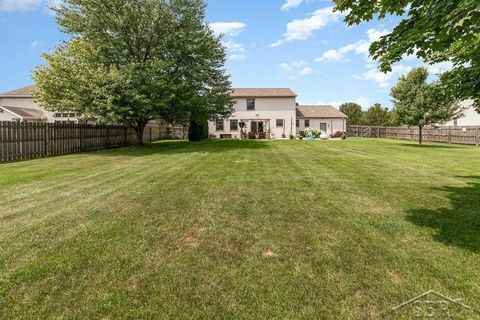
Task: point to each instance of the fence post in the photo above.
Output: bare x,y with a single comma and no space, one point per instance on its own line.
411,134
150,134
108,136
126,136
449,136
477,135
47,139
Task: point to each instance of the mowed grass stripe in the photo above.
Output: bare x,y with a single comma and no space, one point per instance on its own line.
239,229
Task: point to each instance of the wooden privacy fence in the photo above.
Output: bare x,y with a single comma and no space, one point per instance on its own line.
457,135
23,140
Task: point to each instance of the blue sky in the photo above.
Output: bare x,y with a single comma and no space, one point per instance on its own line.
300,44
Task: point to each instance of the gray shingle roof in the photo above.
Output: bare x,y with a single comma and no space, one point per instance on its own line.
22,92
318,111
263,93
26,113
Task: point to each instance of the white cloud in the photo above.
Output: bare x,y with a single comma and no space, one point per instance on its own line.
383,79
360,47
438,68
237,57
302,29
235,50
290,4
29,5
19,5
363,101
284,66
330,56
306,71
299,67
231,29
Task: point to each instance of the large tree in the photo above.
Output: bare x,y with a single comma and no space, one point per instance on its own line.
353,111
377,115
132,61
419,103
433,30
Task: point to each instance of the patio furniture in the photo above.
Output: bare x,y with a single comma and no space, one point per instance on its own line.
252,136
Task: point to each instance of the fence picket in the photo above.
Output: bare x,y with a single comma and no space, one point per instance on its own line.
452,135
26,140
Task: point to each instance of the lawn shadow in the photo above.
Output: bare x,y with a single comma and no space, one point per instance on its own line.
181,147
430,145
459,223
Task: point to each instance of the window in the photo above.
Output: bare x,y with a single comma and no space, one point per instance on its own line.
250,104
298,123
219,125
72,115
279,122
307,123
57,115
455,122
233,125
65,115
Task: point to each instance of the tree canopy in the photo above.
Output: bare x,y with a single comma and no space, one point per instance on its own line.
131,61
377,115
419,103
433,30
353,111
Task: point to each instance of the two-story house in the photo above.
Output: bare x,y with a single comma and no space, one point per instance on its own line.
18,105
272,113
264,112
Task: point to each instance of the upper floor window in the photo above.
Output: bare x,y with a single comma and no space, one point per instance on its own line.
307,123
233,125
219,125
57,115
280,122
250,104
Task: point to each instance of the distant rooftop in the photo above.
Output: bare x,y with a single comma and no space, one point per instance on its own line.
263,93
25,113
22,92
319,111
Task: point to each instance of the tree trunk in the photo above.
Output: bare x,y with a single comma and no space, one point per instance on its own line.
139,129
420,138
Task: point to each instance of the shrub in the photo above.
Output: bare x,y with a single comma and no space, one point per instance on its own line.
313,132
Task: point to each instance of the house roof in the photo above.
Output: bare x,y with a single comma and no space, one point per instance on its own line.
25,113
24,92
319,111
263,93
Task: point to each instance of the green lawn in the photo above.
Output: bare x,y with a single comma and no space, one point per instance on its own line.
247,230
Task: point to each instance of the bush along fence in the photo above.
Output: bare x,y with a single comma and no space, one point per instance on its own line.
23,140
457,135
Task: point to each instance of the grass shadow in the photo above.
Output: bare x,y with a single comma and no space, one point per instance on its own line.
430,146
458,224
181,147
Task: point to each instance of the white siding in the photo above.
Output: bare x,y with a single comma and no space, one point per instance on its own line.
271,109
7,116
471,116
333,124
30,104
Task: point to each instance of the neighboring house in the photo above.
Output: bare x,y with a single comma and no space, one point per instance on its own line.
325,118
273,113
18,105
470,117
